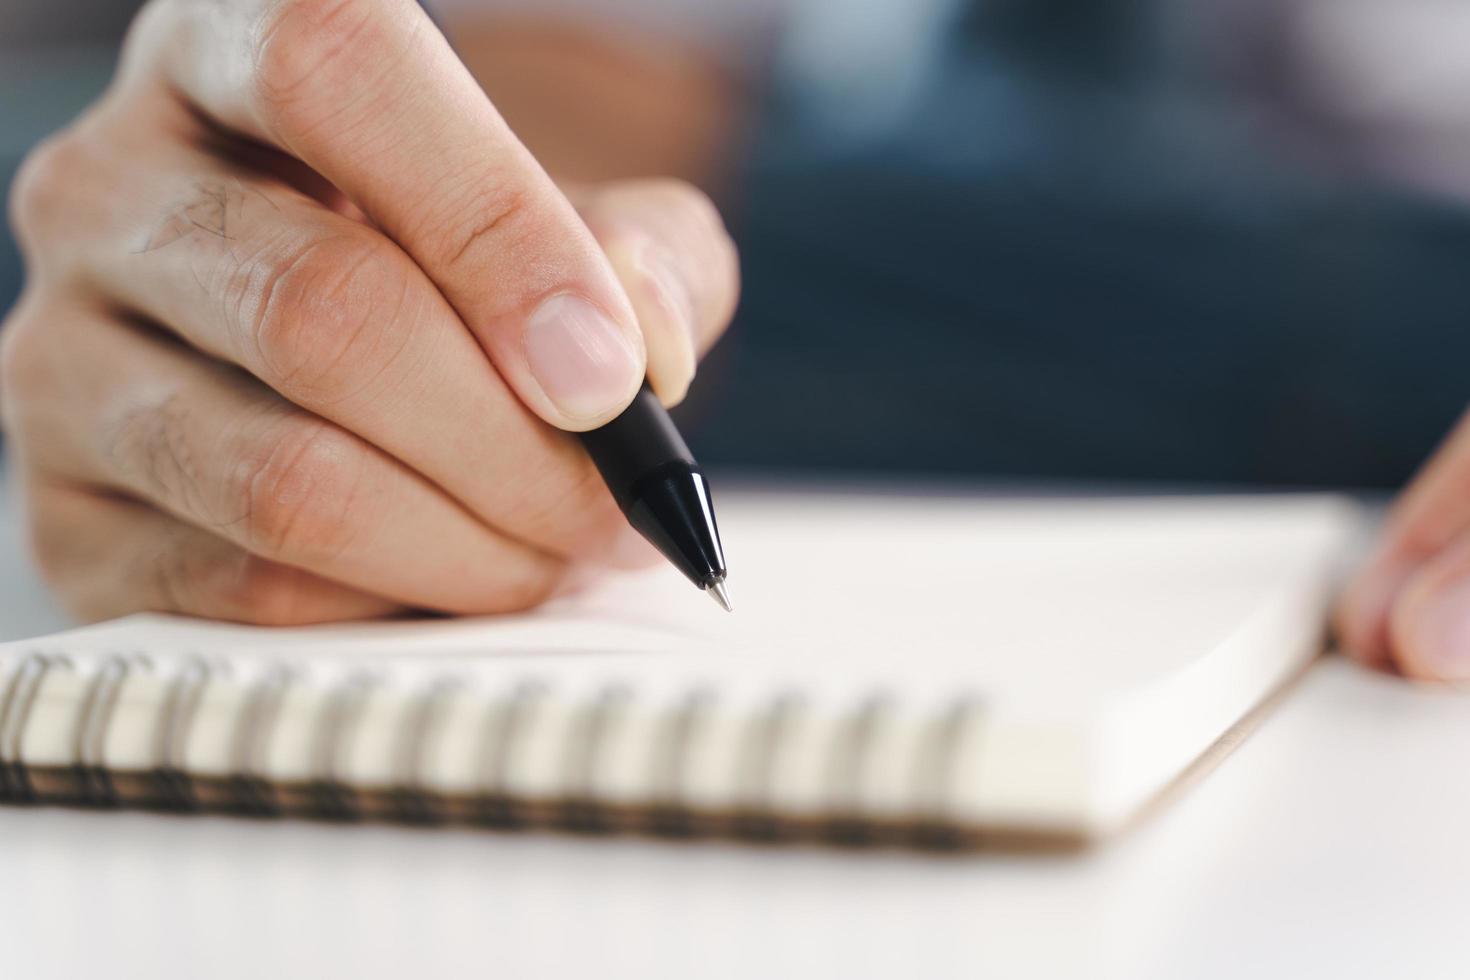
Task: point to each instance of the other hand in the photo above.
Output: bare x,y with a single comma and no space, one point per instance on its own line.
1409,607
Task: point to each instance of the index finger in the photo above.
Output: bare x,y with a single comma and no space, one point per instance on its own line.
369,94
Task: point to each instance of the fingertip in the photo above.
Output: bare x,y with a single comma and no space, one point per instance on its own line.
1429,626
1360,618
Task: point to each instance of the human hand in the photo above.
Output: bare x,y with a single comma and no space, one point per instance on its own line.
303,322
1408,608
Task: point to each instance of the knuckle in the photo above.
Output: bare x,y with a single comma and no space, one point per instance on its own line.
296,497
28,362
47,545
23,362
149,448
155,24
325,312
307,54
59,553
45,185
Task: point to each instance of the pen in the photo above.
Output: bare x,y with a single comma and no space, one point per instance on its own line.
661,490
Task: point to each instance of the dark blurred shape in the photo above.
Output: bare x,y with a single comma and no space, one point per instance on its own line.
1081,250
33,22
1072,38
1069,261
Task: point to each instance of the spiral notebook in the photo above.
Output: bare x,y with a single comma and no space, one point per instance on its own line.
897,669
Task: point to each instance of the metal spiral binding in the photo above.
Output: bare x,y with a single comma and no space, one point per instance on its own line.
500,739
758,765
15,711
670,813
253,793
935,776
583,811
414,801
333,798
8,698
173,783
848,769
507,723
94,782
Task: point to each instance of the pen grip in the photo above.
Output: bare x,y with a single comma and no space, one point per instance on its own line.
639,442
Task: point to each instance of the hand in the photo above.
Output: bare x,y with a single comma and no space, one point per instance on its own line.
1409,606
303,322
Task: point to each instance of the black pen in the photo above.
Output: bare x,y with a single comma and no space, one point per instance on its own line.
659,486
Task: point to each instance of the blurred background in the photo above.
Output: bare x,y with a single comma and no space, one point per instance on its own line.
1219,241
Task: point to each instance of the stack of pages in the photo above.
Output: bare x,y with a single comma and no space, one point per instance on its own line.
897,670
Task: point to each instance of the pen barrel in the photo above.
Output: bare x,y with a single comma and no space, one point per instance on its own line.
637,445
653,477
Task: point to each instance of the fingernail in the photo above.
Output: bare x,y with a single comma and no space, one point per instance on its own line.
584,361
1437,643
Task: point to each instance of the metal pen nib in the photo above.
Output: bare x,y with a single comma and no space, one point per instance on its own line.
717,592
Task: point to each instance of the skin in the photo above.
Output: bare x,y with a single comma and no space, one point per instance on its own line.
306,328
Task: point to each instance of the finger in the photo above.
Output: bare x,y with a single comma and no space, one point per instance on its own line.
107,556
1429,623
338,320
213,447
1360,619
1433,512
676,261
369,94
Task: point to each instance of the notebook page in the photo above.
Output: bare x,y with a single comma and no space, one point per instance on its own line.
1055,601
1106,643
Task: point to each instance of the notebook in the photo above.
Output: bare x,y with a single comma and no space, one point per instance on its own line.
897,669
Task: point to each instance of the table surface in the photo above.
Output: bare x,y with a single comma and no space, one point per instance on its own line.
1334,842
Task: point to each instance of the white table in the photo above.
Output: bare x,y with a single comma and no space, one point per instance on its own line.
1334,843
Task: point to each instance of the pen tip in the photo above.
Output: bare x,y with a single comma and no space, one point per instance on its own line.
717,592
